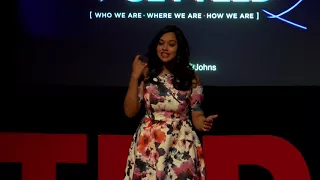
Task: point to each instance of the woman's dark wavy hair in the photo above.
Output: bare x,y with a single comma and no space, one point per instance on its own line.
180,67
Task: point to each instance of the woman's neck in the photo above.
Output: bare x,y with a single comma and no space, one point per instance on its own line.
165,70
167,67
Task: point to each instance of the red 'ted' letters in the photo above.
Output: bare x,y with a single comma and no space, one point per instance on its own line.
224,154
39,153
113,153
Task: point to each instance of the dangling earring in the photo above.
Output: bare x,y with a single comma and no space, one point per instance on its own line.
178,57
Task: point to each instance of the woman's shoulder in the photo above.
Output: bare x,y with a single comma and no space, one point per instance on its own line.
196,80
145,73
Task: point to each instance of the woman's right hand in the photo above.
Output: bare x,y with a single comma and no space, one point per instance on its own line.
137,67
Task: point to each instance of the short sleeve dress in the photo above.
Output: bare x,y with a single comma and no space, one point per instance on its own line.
165,145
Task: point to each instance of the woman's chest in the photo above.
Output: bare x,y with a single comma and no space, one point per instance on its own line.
163,96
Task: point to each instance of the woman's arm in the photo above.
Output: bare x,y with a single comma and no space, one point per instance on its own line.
197,114
134,96
131,102
200,122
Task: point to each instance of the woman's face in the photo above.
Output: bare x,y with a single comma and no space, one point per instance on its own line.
167,47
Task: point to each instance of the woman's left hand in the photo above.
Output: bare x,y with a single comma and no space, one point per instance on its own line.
208,122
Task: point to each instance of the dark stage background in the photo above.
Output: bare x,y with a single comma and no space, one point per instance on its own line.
61,44
63,70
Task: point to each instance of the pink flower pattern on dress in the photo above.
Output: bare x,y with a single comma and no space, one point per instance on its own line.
165,145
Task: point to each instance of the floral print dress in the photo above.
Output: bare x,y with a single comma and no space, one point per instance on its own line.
165,145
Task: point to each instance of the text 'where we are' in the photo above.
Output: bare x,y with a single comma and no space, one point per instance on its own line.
175,15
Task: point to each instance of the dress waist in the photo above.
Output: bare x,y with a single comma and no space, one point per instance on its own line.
166,116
